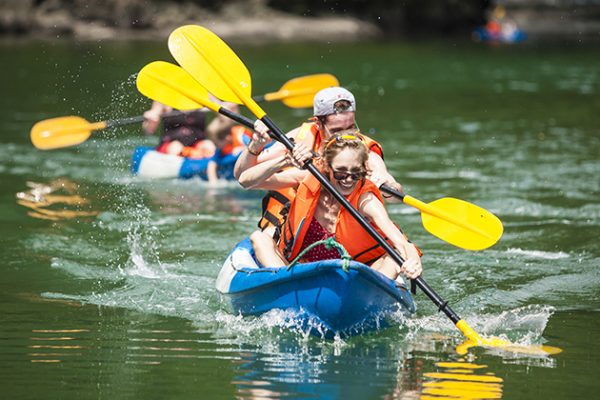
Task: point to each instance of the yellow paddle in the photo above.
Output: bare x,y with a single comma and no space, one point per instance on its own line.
212,63
455,221
68,131
55,133
172,85
300,92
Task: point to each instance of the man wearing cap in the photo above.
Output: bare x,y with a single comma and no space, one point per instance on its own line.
334,111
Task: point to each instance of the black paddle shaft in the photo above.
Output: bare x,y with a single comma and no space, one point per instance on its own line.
139,119
237,117
385,188
111,123
437,300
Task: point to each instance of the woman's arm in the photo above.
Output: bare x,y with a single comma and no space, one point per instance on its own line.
267,175
254,176
270,176
370,206
254,153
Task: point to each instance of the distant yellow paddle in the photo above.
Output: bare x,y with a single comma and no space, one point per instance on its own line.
55,133
68,131
216,67
300,92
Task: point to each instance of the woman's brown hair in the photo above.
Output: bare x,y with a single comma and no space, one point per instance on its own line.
347,139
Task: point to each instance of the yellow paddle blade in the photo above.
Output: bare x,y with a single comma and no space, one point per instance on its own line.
300,92
206,57
459,223
474,340
172,85
60,132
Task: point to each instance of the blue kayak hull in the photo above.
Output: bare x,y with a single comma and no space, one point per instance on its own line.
149,163
321,294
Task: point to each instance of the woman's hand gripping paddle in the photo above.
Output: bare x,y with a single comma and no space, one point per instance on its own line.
212,63
455,221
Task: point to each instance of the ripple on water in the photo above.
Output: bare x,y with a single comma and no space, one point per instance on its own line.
546,255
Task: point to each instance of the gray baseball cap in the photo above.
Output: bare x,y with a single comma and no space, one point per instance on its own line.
325,100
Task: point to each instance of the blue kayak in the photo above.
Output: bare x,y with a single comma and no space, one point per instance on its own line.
322,294
149,163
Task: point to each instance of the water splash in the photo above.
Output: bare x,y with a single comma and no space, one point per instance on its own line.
546,255
521,326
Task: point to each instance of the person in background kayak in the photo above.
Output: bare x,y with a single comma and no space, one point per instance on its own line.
334,110
230,141
185,133
315,214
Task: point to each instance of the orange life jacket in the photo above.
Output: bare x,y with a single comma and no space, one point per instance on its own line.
348,232
237,139
311,136
274,203
201,149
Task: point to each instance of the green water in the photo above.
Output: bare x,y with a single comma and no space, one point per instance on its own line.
121,303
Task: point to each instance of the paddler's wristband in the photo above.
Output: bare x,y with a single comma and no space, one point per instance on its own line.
253,153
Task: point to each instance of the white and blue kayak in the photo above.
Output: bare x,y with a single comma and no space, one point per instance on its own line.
329,299
149,163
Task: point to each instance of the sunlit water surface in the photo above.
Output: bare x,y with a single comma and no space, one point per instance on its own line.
108,280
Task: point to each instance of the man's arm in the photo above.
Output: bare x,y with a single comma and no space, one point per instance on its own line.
152,117
379,175
211,172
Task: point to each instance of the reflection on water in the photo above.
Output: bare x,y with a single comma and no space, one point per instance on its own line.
461,380
305,367
41,196
382,367
397,369
55,345
137,346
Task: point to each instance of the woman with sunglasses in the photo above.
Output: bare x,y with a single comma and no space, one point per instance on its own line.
315,215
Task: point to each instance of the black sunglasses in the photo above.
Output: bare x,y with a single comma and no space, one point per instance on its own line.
355,176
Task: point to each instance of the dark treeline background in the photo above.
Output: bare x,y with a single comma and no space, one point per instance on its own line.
362,19
392,17
396,18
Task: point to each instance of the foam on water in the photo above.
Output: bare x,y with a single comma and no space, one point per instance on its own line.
546,255
521,325
441,175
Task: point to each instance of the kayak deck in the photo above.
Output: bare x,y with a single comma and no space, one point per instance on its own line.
321,293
